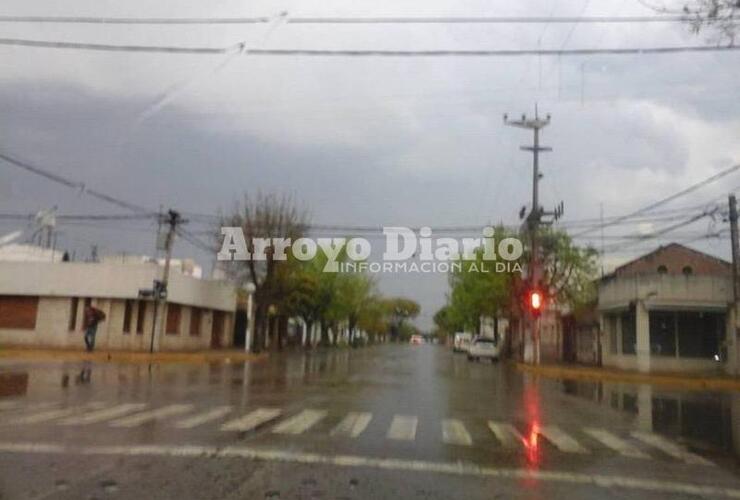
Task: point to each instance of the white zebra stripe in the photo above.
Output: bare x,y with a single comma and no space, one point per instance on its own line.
506,434
202,418
151,415
300,423
560,439
670,448
403,428
252,420
103,415
454,432
47,415
619,445
352,425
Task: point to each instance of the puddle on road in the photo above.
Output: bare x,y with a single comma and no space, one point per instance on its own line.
704,421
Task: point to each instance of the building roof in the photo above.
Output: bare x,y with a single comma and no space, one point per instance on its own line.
674,258
14,252
110,281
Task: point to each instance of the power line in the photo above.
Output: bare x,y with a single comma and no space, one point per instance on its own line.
72,184
663,201
169,49
82,217
667,229
348,20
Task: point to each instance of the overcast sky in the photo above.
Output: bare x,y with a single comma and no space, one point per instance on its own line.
364,141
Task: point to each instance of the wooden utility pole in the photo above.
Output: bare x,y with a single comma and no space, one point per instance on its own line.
735,249
732,357
172,219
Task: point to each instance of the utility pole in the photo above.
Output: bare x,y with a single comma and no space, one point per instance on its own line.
534,218
732,357
172,219
735,248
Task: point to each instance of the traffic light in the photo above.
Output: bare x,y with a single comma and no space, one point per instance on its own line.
535,301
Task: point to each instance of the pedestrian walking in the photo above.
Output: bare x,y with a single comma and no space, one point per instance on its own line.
92,317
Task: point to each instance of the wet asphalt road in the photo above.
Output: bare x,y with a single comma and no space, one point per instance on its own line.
380,422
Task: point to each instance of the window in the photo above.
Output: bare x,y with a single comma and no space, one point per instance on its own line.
196,316
74,304
662,269
128,306
629,332
18,312
687,271
700,334
173,319
140,315
662,333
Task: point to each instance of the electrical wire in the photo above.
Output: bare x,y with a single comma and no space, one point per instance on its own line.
348,20
168,49
80,186
663,201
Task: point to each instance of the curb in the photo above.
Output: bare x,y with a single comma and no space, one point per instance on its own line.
601,374
132,357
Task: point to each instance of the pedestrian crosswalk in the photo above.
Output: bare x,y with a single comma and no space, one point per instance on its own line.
400,428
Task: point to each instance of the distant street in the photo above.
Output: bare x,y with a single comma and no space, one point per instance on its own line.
390,421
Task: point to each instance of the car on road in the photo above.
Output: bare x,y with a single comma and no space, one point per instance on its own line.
482,348
461,342
416,340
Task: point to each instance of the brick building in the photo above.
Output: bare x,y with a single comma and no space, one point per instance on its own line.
670,310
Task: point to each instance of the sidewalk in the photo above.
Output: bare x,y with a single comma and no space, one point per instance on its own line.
104,356
716,382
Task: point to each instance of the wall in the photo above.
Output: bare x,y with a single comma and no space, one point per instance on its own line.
52,328
110,280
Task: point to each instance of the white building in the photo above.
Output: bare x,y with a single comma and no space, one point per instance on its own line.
42,304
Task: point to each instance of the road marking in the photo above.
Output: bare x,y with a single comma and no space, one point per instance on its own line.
24,410
560,439
252,420
506,434
454,432
352,425
670,448
403,428
649,486
104,414
151,415
47,415
204,417
299,423
9,405
620,445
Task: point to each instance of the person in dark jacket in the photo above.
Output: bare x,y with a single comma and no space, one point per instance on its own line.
91,318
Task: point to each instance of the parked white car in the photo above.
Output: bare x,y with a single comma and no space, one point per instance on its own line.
483,347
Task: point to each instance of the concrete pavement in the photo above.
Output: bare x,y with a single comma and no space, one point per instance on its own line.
381,422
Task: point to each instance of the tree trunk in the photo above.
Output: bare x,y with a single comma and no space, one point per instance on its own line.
258,342
324,334
309,333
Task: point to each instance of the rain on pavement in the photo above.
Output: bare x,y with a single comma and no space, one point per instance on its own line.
386,419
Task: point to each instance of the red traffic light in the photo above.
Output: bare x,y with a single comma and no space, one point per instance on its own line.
535,301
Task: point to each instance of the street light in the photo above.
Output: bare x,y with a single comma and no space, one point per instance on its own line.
249,288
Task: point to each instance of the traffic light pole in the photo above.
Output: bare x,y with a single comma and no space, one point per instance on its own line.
535,215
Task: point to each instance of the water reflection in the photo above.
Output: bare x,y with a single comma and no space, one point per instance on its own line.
13,384
706,421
